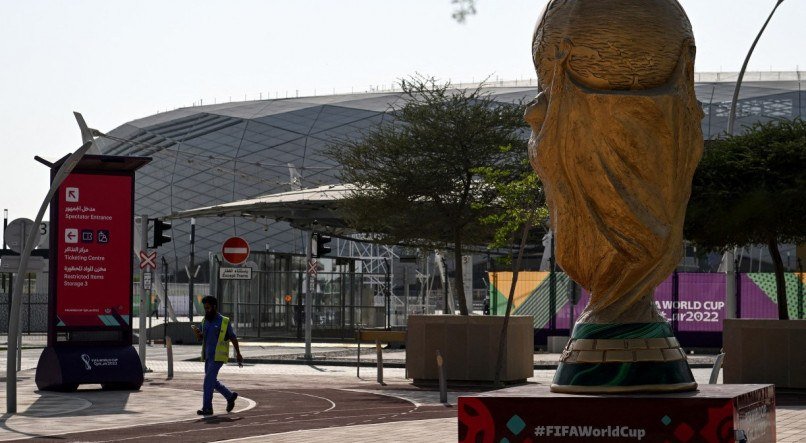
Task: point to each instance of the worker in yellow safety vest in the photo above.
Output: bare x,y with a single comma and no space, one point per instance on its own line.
216,333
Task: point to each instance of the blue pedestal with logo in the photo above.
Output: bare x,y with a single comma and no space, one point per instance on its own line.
64,368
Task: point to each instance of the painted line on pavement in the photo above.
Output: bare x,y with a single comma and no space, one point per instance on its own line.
322,432
251,404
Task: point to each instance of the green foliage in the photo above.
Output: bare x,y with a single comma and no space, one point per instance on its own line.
520,201
750,188
417,173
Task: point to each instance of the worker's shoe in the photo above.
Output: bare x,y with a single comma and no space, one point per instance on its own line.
205,412
231,402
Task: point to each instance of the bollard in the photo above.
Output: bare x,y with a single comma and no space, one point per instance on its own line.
358,356
443,385
380,360
170,351
19,350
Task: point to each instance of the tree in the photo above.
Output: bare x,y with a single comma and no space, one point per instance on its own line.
416,175
522,206
748,189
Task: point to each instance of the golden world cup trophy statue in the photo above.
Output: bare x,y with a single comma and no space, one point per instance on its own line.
615,139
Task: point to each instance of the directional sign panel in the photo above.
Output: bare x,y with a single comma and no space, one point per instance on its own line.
93,255
235,250
235,273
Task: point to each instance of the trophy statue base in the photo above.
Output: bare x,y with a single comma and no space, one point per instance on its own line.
623,358
530,413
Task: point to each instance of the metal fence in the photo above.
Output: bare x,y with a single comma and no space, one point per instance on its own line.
178,297
33,313
271,303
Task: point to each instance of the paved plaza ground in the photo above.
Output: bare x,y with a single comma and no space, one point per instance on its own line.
278,402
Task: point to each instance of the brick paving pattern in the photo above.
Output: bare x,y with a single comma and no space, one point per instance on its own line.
278,402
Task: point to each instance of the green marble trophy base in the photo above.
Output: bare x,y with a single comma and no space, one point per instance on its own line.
619,358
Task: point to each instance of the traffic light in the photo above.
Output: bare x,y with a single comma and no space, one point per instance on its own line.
320,245
160,235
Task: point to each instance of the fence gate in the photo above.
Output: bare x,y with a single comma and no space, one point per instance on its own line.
271,304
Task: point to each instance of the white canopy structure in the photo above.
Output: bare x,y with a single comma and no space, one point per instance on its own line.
302,208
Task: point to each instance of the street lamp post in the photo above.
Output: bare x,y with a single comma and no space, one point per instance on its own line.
5,225
733,103
14,315
730,287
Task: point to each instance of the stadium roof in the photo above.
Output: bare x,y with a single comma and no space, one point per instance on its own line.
208,156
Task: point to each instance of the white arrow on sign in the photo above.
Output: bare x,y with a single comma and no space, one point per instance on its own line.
71,235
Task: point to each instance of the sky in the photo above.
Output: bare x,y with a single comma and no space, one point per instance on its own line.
116,61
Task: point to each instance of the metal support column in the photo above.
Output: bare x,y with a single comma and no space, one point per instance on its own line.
165,300
141,341
191,268
387,295
309,295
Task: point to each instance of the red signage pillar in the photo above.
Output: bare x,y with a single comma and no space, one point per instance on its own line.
90,287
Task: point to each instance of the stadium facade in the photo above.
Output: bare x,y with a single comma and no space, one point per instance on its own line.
213,154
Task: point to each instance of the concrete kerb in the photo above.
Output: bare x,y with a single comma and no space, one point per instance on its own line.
346,358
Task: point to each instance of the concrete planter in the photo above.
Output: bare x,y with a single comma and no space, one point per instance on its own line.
765,351
469,347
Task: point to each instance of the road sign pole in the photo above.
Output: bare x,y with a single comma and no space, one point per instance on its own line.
191,268
165,299
141,341
308,297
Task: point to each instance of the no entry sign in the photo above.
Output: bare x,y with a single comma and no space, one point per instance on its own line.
235,250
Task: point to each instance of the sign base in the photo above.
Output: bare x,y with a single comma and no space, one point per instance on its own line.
714,413
63,368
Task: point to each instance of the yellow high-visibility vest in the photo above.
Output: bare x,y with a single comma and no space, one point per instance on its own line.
222,346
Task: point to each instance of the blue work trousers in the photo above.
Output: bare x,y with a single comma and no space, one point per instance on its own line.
211,382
